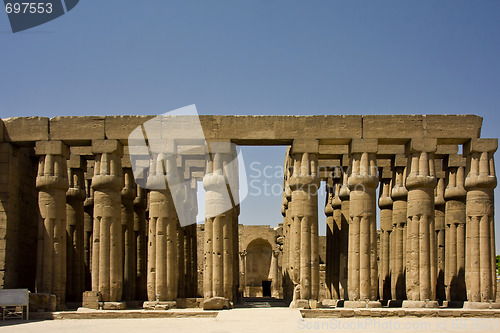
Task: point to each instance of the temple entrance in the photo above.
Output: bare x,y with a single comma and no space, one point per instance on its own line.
266,288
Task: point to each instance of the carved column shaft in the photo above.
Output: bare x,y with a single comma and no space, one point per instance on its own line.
439,218
140,230
75,254
129,251
344,229
304,184
386,248
363,181
107,258
399,196
420,183
480,237
455,217
52,183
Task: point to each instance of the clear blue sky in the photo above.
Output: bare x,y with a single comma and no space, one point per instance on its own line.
258,57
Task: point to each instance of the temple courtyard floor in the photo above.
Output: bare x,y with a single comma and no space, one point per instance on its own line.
257,320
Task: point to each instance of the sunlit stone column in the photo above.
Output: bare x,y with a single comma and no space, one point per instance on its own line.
140,230
220,223
191,245
420,182
399,196
107,258
275,273
304,184
455,230
288,259
88,225
243,268
75,250
386,249
480,233
343,195
128,195
162,241
439,213
363,181
52,183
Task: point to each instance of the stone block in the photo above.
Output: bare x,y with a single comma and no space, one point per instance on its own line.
300,304
393,127
364,146
464,127
162,305
333,149
107,146
185,303
55,147
362,304
400,160
305,146
77,162
114,306
77,129
446,149
216,303
223,147
385,173
455,160
91,300
421,145
390,149
26,129
120,127
480,145
42,302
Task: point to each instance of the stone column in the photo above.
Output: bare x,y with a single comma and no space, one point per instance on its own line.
340,252
344,194
386,248
107,259
286,212
455,230
333,225
75,234
162,242
439,219
399,196
140,230
363,181
243,268
129,249
88,225
275,283
52,183
420,182
220,224
304,184
480,234
190,242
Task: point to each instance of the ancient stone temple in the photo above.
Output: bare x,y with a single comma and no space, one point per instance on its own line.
90,217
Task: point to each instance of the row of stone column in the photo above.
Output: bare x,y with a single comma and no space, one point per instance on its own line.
92,232
436,226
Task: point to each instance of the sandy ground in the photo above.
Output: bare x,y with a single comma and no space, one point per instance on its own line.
256,320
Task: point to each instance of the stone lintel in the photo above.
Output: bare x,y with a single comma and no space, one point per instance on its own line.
400,160
76,162
446,149
222,147
189,150
77,129
384,162
107,146
364,146
390,149
55,147
420,145
333,149
455,161
305,146
197,174
26,129
82,151
385,172
480,145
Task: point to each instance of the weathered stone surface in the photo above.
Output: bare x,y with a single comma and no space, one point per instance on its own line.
27,129
42,302
216,303
114,306
77,129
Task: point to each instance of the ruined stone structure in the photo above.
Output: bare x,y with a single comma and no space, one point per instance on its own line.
74,221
